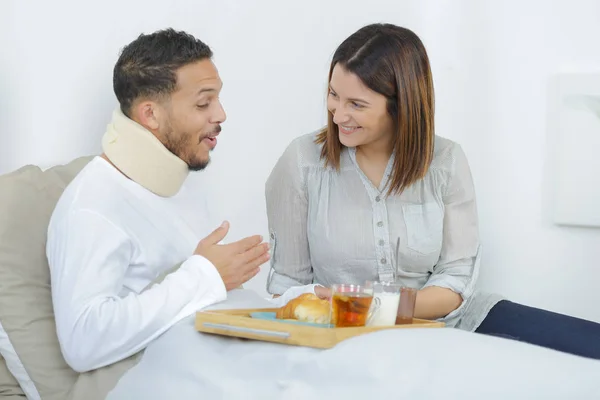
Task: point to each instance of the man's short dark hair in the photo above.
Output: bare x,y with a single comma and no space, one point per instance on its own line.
147,66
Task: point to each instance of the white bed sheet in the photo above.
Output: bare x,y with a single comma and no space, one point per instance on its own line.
410,364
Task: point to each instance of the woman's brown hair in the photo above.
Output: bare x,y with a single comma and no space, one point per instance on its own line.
391,61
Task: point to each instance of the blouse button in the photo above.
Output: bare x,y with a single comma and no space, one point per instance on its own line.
380,224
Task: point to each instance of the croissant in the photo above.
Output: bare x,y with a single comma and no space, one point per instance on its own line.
307,308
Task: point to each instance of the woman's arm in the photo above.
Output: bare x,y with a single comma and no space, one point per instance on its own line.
436,302
287,211
455,274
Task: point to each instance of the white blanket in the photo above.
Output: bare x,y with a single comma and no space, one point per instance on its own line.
406,363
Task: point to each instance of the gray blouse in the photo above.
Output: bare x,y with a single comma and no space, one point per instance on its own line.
330,226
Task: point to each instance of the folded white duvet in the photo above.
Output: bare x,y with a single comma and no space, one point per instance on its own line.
290,294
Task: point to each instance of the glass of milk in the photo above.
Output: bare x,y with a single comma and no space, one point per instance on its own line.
388,295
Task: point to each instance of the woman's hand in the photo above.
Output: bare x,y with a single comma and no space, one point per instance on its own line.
323,292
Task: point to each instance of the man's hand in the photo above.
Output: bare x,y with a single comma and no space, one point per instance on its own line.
236,262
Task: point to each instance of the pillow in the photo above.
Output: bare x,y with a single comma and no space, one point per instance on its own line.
9,387
28,338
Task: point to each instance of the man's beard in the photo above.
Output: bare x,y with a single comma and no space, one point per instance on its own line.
180,147
181,144
198,165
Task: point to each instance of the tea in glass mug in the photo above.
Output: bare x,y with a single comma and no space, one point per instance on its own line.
350,305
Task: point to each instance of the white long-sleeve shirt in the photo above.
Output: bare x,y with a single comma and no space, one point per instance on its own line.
108,240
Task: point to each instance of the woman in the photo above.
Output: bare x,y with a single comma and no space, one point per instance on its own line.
338,200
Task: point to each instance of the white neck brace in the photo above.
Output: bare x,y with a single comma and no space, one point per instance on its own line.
138,154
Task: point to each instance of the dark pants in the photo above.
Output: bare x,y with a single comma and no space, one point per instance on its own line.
543,328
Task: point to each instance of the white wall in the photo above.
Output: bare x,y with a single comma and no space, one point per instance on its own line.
490,60
521,45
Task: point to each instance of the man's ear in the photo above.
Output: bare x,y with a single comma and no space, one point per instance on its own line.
147,114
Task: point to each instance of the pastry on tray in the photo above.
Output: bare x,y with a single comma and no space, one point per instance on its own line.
306,308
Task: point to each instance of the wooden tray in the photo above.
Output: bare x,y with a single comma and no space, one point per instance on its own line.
238,323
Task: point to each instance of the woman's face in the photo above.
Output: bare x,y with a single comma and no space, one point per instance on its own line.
359,112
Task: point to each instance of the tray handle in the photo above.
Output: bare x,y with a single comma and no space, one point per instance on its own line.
283,335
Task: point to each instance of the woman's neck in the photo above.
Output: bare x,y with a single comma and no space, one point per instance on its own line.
378,152
373,160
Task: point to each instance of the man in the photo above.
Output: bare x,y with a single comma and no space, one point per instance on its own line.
127,217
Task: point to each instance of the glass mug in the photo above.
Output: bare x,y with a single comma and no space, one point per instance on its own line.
352,305
388,294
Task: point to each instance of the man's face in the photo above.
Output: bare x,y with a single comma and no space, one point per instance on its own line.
189,121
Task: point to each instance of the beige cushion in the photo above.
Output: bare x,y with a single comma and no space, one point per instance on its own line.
27,199
9,387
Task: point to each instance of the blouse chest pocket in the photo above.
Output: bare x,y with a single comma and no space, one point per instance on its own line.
424,227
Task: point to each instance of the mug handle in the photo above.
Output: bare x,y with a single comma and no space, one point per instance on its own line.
375,306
